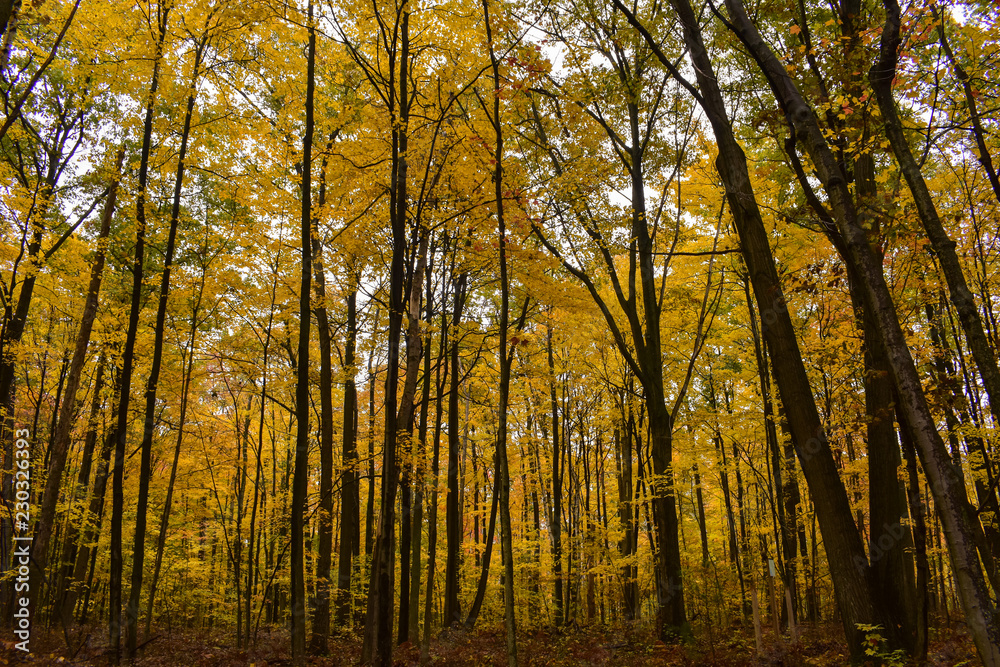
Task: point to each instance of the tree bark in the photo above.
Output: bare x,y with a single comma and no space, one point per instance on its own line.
124,384
453,510
321,612
506,359
299,479
377,641
146,448
881,77
349,494
70,406
845,551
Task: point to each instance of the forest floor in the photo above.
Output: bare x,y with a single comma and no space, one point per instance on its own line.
820,646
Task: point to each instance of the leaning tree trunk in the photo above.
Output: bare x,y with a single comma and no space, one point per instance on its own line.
881,77
845,550
68,413
948,487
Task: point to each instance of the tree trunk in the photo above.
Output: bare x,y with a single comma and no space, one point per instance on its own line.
71,544
404,422
300,480
349,494
503,469
420,461
68,413
845,551
321,613
453,514
377,643
881,77
124,385
555,524
443,368
146,449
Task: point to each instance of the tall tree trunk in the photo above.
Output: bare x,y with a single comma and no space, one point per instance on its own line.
377,641
404,421
87,555
420,460
453,509
149,424
349,494
124,384
484,567
299,480
919,525
627,510
70,407
259,495
555,524
370,504
845,550
71,543
321,612
442,369
881,76
503,469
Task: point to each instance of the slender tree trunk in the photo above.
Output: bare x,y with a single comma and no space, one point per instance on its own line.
484,567
442,369
68,413
349,498
377,643
881,77
321,613
370,504
87,555
627,512
76,525
503,469
253,567
146,449
978,133
420,458
404,420
124,385
299,481
556,522
919,525
453,514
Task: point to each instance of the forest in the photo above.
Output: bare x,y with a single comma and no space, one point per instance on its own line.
484,332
